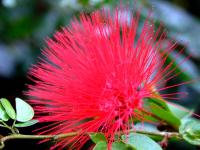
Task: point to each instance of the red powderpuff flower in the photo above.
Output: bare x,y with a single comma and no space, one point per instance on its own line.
96,74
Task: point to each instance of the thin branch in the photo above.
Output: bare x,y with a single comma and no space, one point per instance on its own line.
23,136
170,135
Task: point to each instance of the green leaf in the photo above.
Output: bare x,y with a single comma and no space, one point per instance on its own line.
167,116
141,142
148,127
160,109
170,112
24,111
3,114
100,146
160,102
8,108
190,130
179,111
97,137
145,116
122,146
26,124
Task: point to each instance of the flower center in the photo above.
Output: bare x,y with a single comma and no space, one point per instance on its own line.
120,103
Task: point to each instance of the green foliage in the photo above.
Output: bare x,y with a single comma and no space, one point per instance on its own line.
190,130
174,115
100,146
160,109
165,115
24,111
101,143
21,118
97,137
179,111
122,146
141,142
8,108
26,124
3,114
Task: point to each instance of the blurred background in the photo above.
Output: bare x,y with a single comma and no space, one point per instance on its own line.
24,26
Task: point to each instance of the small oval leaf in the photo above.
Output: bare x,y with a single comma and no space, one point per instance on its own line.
100,146
97,137
24,111
141,142
160,109
178,110
122,146
8,108
190,130
3,115
26,124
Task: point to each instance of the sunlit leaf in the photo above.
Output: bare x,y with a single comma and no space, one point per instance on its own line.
26,124
147,127
100,146
24,111
3,114
159,102
122,146
141,142
97,137
167,116
8,108
190,130
160,109
178,111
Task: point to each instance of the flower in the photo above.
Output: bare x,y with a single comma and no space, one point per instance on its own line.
96,74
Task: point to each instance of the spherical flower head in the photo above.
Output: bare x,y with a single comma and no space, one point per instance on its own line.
96,74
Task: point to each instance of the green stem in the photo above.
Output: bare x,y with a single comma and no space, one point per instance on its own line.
170,135
8,127
13,123
161,135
